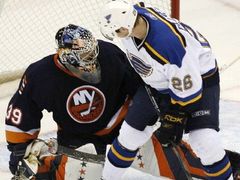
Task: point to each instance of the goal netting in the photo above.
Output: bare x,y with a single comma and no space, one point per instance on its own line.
28,28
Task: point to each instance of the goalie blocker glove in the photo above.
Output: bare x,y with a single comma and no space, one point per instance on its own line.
24,171
17,154
172,127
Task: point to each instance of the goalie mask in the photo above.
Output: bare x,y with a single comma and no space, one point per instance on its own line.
76,46
78,51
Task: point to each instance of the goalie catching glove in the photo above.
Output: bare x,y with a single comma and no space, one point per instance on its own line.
34,154
172,127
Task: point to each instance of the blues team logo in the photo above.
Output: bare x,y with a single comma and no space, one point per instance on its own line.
143,69
86,104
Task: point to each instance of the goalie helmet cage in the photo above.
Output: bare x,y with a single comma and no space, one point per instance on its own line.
28,27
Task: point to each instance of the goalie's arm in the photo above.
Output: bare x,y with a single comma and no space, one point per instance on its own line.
24,111
22,122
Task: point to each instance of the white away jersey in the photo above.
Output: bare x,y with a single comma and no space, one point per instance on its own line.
173,58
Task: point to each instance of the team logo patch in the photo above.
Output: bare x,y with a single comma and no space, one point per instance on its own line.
86,104
139,65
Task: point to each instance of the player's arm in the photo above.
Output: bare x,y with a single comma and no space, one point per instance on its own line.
22,121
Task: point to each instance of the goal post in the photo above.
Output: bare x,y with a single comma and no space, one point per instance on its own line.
175,9
28,27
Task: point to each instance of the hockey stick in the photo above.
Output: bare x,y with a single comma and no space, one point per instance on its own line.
182,164
57,149
99,159
174,145
90,106
226,66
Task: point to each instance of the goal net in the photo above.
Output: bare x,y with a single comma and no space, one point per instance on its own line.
28,28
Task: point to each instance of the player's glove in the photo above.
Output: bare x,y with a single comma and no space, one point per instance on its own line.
172,127
34,153
17,153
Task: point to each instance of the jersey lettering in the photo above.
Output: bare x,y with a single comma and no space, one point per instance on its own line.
199,37
179,25
82,96
182,84
14,115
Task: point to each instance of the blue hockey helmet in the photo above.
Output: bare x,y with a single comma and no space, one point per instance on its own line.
77,47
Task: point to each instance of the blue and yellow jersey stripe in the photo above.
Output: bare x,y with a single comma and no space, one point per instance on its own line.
155,53
187,100
163,42
169,24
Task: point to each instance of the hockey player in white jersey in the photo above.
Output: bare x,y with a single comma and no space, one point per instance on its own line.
178,62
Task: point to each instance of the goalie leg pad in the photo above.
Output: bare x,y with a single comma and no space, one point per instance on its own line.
52,167
120,156
63,167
